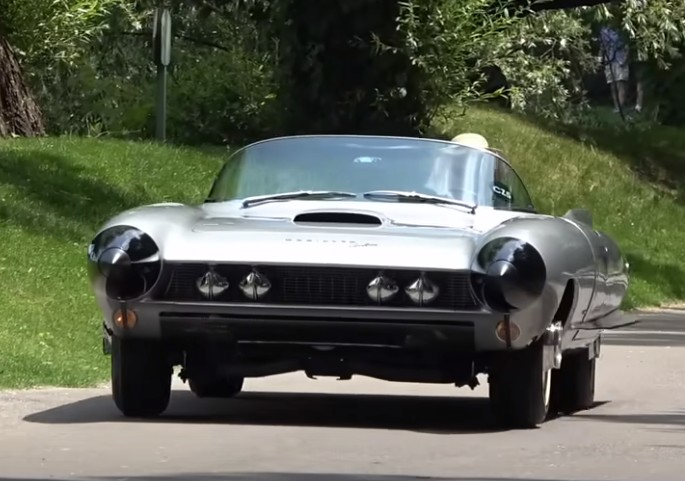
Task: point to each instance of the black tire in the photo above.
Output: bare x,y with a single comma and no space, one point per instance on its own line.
141,377
573,386
216,388
520,389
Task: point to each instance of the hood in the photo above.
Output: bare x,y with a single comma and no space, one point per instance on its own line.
344,233
390,214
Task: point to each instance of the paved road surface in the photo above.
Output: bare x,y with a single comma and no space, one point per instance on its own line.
289,428
651,329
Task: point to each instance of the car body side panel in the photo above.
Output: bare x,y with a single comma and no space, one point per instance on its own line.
594,296
616,276
573,252
569,257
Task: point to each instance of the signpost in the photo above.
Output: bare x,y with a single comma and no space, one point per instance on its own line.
161,41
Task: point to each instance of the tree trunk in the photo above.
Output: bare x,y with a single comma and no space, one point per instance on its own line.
19,112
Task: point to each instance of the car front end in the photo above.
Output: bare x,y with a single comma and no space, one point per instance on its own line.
268,292
334,276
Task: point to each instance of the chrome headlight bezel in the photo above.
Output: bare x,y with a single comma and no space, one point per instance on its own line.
513,274
127,260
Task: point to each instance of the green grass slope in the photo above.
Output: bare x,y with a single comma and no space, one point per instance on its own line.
54,193
633,182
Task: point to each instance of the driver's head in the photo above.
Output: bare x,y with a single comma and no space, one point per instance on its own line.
480,142
452,170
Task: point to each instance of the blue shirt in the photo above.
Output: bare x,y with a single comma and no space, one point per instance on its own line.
613,47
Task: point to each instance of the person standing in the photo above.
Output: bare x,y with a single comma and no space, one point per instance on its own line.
615,58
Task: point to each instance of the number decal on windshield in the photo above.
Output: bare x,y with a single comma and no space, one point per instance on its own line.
502,191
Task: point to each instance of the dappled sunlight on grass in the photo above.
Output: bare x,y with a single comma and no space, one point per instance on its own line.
601,173
54,194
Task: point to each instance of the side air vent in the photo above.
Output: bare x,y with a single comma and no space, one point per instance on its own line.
338,218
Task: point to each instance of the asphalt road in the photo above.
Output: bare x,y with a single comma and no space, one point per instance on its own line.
290,428
650,329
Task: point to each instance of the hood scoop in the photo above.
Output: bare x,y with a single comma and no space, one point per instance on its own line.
333,217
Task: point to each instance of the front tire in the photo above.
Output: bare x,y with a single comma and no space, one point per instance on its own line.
520,387
141,377
574,383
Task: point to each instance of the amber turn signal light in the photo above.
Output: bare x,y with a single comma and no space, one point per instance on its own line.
126,319
501,331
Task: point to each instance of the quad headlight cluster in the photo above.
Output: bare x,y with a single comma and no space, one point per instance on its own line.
380,289
212,285
254,286
422,291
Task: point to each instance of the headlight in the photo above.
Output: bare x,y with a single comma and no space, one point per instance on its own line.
514,277
128,259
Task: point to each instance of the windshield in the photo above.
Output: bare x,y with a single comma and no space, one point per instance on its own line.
359,164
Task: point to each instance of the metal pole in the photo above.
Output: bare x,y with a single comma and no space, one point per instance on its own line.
160,108
161,37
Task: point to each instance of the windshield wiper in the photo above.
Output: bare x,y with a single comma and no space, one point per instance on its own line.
417,197
297,195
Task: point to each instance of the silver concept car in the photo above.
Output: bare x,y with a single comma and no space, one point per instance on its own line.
403,259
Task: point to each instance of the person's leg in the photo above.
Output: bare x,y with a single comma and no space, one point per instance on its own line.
613,90
622,87
614,95
619,76
640,87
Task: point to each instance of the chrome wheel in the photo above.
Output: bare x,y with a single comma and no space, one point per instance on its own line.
547,386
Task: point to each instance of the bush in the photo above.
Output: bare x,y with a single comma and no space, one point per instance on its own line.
218,91
380,66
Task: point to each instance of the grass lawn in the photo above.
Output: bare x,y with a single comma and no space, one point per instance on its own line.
632,181
54,193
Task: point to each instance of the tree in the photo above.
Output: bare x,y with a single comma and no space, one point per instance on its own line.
335,77
19,113
379,66
365,66
46,34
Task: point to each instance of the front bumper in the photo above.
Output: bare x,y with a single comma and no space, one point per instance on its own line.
399,328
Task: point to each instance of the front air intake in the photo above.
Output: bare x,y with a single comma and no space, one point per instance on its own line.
337,218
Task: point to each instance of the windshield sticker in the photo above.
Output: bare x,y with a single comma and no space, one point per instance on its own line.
502,191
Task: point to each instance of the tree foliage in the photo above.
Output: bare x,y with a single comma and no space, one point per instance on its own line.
656,27
45,31
656,33
380,66
243,69
49,39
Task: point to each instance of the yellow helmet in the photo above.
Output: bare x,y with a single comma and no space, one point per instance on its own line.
471,140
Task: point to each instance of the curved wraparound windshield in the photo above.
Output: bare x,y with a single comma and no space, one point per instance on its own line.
362,164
